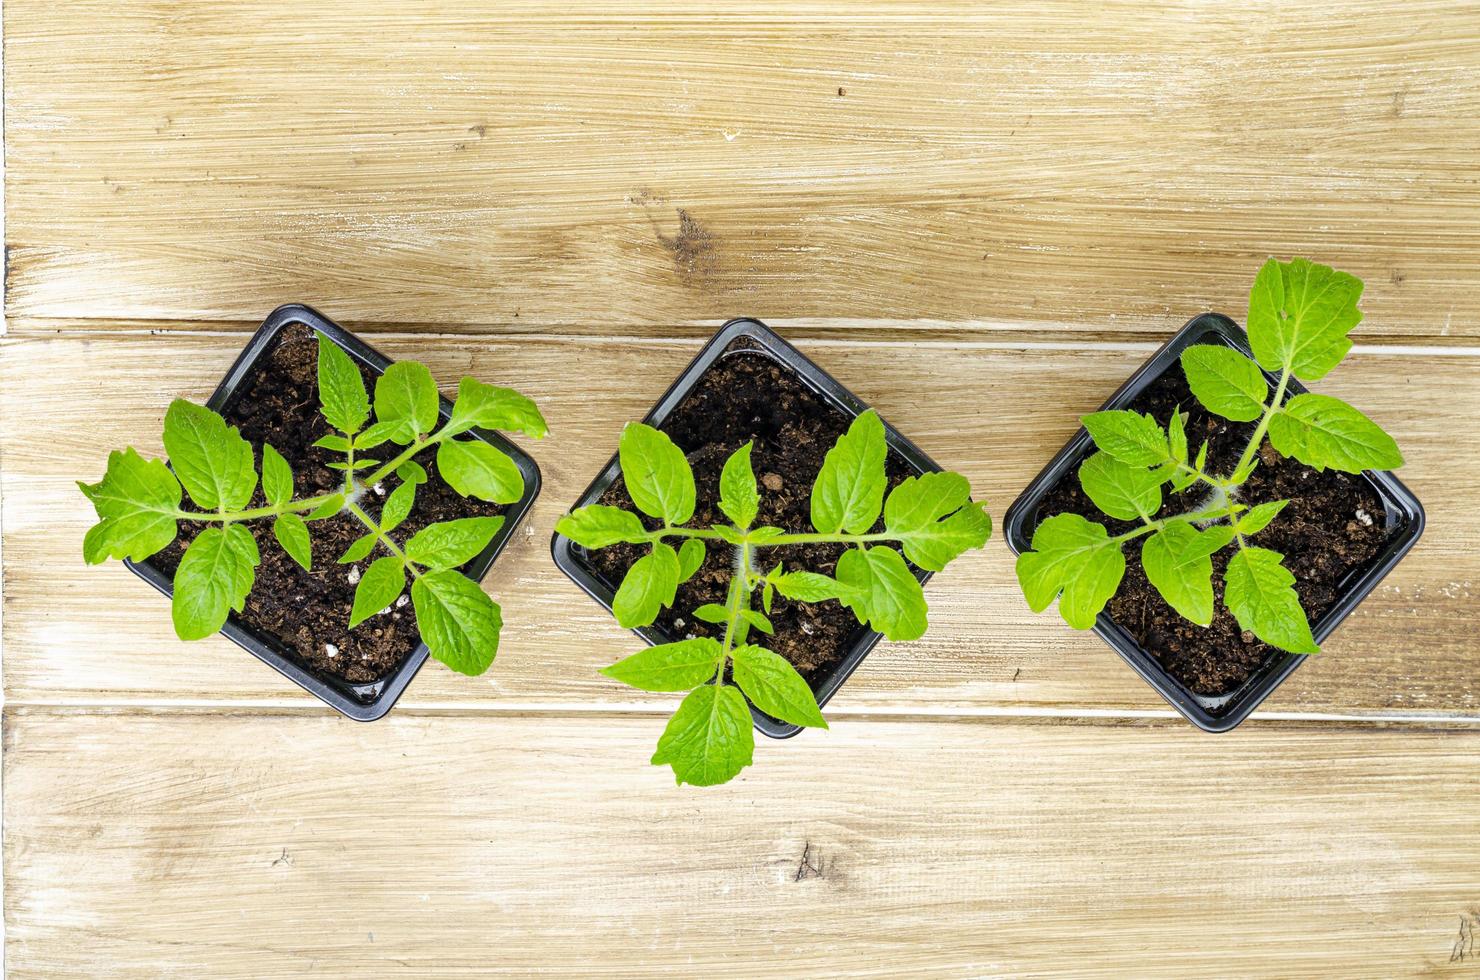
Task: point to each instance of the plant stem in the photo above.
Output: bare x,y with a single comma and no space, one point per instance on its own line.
736,603
1213,513
1270,411
381,536
785,539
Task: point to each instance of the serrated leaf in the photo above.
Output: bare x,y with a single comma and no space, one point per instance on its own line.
136,501
459,623
210,458
448,544
277,477
1260,592
358,549
382,582
658,477
488,406
342,398
292,534
677,666
709,739
1300,313
377,434
934,519
1129,437
475,469
690,557
881,591
1076,560
1120,489
411,472
1258,517
331,506
599,526
649,587
213,579
1225,381
406,398
712,612
738,496
397,506
774,686
1323,432
1176,561
808,586
333,443
849,491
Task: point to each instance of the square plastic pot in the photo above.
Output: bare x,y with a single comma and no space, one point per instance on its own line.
1404,522
757,338
362,702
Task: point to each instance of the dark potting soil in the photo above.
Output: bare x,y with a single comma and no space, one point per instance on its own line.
1334,524
305,615
747,396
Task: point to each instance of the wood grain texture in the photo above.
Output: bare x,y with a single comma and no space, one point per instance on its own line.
485,166
74,633
286,846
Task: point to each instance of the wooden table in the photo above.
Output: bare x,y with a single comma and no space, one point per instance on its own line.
980,219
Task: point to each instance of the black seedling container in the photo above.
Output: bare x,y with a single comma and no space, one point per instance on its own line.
1404,523
758,339
362,702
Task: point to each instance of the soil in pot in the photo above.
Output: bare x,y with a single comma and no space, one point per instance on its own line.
1334,525
748,396
305,615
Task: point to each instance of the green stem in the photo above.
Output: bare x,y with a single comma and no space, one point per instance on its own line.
1270,411
736,603
382,536
684,532
785,539
1213,513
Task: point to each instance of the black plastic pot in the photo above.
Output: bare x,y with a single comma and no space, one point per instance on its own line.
362,702
1404,523
755,338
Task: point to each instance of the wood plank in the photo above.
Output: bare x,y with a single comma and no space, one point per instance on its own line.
273,846
74,633
494,165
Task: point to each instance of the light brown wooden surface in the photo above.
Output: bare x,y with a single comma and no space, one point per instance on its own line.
978,217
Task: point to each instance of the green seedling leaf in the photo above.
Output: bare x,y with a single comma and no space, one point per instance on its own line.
411,472
1129,437
489,407
213,579
358,549
342,397
292,534
729,534
712,612
690,557
709,739
1076,560
1323,432
211,459
764,535
378,434
649,587
1299,316
406,398
333,443
1120,489
1257,518
458,621
359,464
808,586
934,519
277,477
1260,592
1177,436
331,506
758,620
849,492
448,544
381,584
397,506
774,686
882,592
1226,382
657,475
738,496
136,502
669,667
475,469
1176,560
599,526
